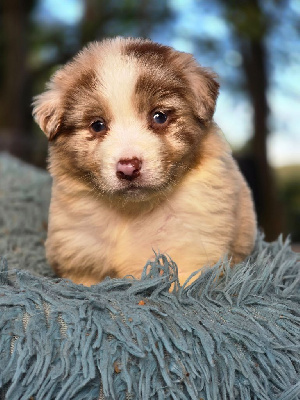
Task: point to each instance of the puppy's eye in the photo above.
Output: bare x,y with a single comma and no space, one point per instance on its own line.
98,126
159,117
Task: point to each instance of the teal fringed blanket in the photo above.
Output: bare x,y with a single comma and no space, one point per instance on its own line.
232,334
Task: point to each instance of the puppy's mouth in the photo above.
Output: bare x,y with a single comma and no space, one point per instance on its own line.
133,189
136,192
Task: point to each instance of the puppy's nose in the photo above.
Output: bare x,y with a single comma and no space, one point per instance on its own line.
129,169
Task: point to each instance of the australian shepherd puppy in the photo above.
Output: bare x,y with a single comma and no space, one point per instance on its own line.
139,165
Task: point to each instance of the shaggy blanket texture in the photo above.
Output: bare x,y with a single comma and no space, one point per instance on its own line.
234,333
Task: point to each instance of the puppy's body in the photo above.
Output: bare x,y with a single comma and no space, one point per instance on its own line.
138,165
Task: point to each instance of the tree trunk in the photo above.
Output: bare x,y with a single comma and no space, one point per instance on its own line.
15,101
255,68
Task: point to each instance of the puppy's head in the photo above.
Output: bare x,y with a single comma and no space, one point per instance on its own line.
127,117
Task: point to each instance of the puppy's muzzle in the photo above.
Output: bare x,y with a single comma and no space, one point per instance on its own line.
129,169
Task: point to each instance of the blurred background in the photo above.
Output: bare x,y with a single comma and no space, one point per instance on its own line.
253,45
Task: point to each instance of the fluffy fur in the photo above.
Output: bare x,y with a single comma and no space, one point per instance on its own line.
188,199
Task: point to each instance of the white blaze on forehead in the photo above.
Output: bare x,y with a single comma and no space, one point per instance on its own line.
118,76
128,135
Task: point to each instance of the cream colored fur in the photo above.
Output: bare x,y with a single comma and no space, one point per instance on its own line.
202,216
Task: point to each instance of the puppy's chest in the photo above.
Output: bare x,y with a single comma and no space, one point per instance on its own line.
143,232
114,236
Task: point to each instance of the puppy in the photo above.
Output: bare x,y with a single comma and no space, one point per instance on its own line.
139,165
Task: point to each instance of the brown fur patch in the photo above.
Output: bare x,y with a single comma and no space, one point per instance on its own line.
147,50
83,104
154,90
168,67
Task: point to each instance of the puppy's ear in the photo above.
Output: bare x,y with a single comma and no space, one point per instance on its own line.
206,89
47,113
203,84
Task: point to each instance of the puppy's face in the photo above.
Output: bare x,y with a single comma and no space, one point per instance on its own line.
126,117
